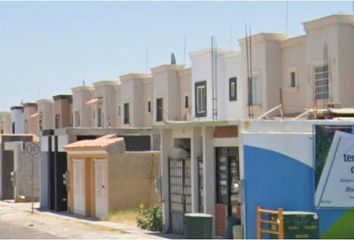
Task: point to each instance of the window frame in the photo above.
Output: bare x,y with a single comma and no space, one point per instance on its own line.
126,112
232,81
200,87
324,93
159,110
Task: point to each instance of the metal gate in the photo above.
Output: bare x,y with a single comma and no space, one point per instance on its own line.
179,172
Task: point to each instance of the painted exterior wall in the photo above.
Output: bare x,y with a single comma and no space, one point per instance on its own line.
5,122
185,77
45,111
105,90
338,33
81,95
29,110
118,106
228,65
17,118
148,97
293,53
271,151
63,109
132,92
26,173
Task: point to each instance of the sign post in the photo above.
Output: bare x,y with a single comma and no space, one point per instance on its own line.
32,151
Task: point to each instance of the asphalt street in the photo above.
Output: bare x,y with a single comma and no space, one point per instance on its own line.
8,230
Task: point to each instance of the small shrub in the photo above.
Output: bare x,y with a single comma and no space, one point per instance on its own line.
150,218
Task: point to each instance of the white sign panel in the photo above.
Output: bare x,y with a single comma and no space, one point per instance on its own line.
336,185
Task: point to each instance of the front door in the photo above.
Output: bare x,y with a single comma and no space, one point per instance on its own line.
179,192
79,186
101,188
227,189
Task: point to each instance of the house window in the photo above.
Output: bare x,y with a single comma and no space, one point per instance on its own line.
99,117
321,82
233,89
292,80
159,109
40,121
149,106
200,101
26,126
77,119
126,113
57,121
256,91
186,102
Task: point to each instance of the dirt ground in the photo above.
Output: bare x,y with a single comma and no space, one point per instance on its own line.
63,225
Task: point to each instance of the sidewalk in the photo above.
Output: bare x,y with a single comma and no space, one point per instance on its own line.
63,225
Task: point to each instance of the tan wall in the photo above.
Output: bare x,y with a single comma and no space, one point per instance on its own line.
132,180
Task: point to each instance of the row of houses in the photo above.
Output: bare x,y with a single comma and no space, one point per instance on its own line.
214,127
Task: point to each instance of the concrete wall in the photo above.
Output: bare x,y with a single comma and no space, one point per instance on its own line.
7,164
132,180
26,173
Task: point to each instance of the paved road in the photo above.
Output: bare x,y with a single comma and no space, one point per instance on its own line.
8,230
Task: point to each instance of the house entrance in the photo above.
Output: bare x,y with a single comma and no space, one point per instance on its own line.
179,171
101,187
227,188
79,186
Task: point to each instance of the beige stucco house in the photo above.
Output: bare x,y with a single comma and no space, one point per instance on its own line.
82,112
45,114
135,99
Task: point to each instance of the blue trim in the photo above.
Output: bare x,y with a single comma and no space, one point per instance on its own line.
275,181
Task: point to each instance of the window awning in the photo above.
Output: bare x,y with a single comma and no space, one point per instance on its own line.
94,101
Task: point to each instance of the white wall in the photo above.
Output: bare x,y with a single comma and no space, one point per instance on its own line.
202,70
17,117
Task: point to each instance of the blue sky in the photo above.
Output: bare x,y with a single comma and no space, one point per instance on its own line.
48,47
